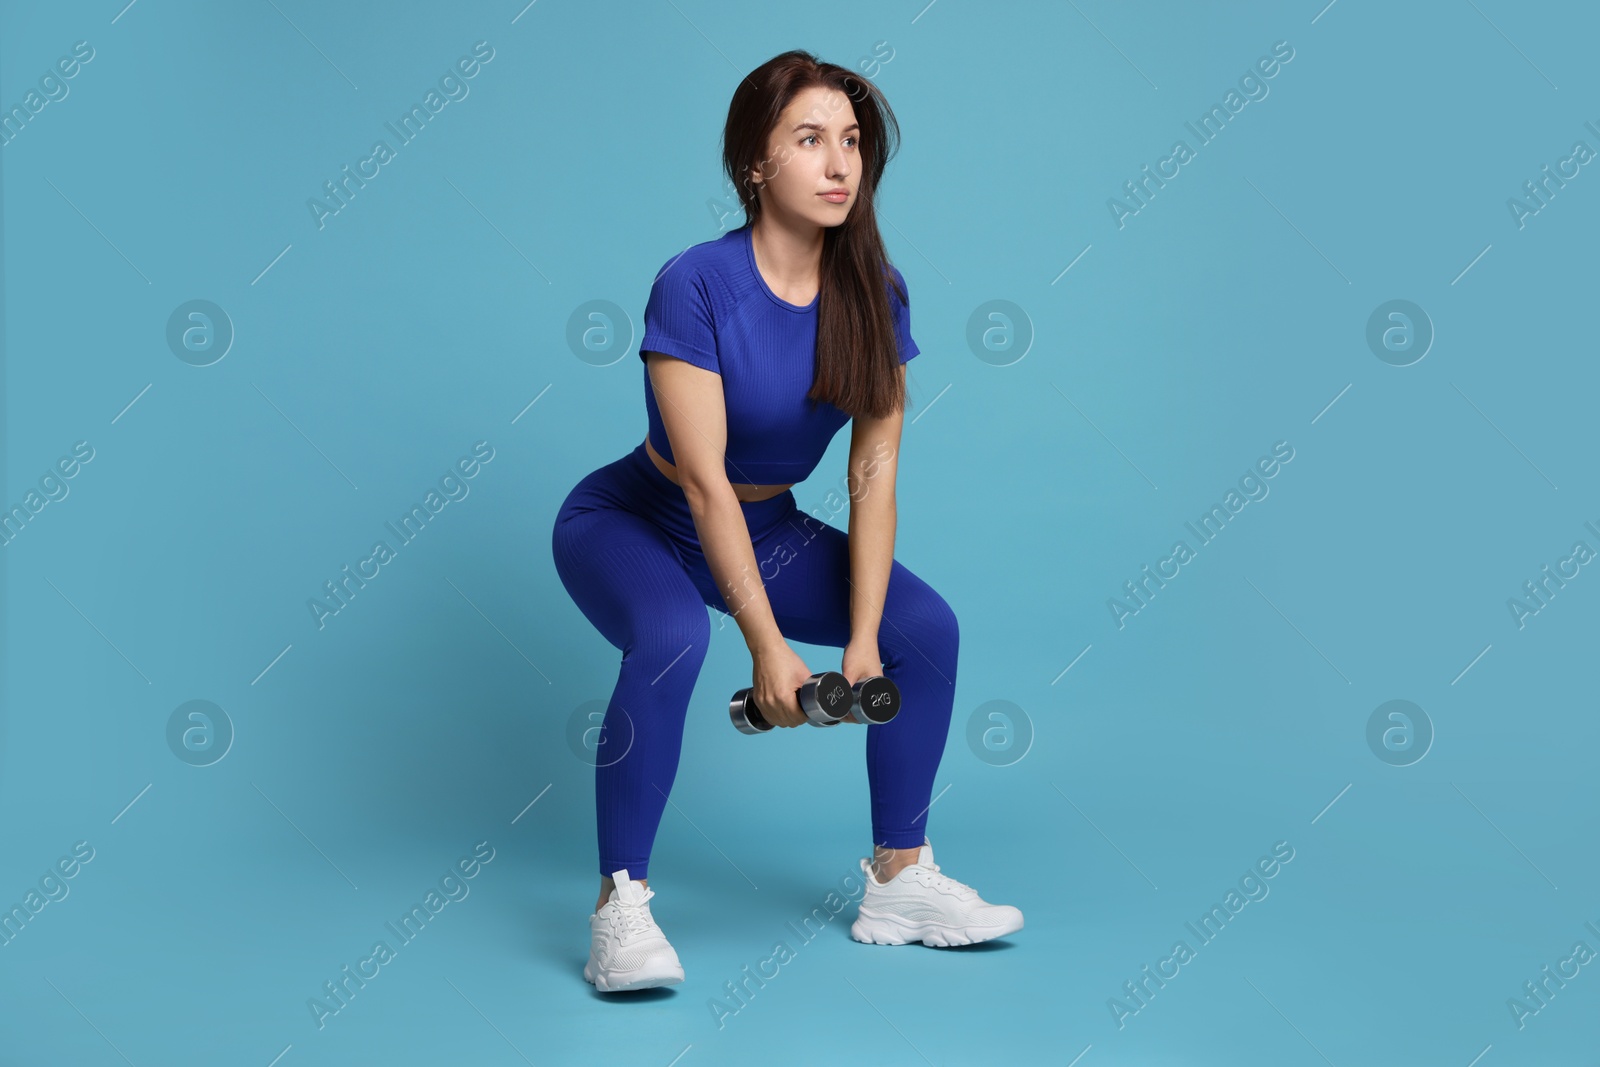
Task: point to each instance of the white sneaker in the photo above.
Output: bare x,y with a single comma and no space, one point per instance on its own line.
920,904
627,950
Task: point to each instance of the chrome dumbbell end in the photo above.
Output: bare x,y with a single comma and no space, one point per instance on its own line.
876,701
826,698
746,719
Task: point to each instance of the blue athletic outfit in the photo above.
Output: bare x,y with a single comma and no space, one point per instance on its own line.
627,551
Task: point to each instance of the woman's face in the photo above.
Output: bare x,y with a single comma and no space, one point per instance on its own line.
813,150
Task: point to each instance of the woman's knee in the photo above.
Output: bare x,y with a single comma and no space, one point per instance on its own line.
674,639
920,618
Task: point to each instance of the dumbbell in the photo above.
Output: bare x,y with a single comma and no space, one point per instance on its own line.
827,699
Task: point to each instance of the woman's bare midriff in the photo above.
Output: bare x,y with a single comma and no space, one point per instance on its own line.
748,494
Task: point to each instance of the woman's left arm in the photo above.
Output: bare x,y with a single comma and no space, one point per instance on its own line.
874,452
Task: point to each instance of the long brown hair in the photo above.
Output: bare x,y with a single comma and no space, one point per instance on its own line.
857,365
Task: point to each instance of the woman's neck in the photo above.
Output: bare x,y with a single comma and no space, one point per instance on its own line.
790,260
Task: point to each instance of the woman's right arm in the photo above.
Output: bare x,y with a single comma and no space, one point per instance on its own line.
694,415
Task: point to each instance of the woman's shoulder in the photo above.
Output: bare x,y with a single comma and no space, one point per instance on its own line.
717,255
897,284
711,271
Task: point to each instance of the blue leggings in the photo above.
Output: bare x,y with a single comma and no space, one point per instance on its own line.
628,552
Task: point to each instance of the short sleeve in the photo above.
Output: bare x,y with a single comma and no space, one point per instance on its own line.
678,318
902,319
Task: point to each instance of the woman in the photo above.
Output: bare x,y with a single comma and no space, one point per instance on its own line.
758,346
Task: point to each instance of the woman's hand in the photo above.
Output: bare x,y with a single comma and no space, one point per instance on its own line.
776,677
861,661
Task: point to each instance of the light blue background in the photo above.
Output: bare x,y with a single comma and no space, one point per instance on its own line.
1227,715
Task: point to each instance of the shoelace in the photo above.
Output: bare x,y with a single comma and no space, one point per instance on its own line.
630,916
930,876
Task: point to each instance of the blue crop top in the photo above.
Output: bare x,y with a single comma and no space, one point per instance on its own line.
710,306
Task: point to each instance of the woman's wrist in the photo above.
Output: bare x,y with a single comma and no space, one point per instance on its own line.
766,644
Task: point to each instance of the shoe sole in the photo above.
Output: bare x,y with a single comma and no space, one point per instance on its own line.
872,929
641,979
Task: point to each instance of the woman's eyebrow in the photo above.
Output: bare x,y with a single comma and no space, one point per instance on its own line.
818,126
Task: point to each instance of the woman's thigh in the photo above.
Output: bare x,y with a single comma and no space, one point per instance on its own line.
805,568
